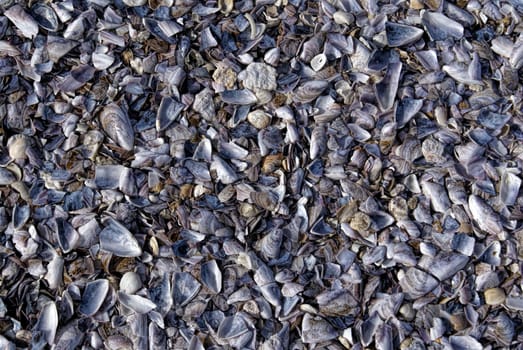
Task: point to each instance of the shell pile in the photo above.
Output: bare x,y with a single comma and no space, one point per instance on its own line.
261,174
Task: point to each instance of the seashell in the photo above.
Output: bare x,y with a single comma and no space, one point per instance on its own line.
117,125
130,282
483,215
45,16
116,239
163,30
401,34
492,120
136,303
267,200
238,97
224,172
93,297
134,3
77,78
101,61
185,288
21,214
259,119
437,195
68,238
406,110
258,76
270,244
44,331
160,293
416,283
315,329
310,90
464,342
445,265
320,228
6,177
211,276
386,89
22,20
509,188
440,27
232,327
342,17
272,56
318,62
312,47
494,296
337,303
461,73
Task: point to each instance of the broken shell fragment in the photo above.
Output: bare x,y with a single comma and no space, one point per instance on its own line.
116,239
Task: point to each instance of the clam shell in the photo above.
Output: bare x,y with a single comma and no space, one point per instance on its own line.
130,282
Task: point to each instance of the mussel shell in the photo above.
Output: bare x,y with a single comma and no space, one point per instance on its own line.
93,297
45,16
117,125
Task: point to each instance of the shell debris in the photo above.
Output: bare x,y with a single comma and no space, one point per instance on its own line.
269,174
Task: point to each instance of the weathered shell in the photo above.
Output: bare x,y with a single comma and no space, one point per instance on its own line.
238,97
117,125
211,276
387,87
130,282
259,119
45,16
134,3
484,216
258,76
23,21
417,283
445,265
115,238
464,342
93,296
167,113
440,27
494,296
136,303
310,90
265,200
185,288
315,329
401,34
45,328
